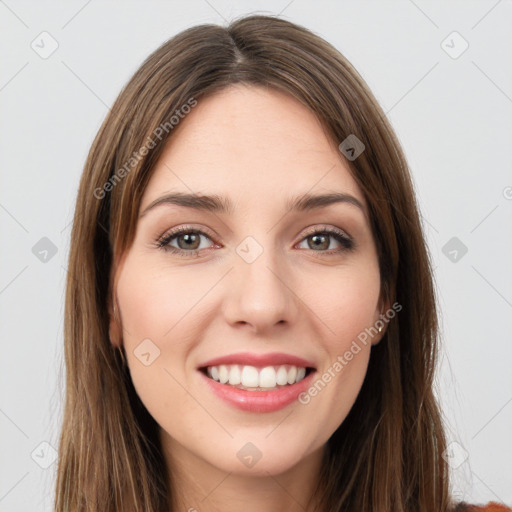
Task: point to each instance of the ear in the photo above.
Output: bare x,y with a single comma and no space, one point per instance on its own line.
381,319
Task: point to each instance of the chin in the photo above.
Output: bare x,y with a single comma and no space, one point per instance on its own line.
259,457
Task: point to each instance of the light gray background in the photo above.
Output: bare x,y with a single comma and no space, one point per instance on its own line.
452,115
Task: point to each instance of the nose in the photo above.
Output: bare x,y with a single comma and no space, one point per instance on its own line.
260,294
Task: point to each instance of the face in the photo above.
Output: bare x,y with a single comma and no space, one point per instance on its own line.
261,281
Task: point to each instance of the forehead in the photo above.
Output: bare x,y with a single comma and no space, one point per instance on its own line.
254,145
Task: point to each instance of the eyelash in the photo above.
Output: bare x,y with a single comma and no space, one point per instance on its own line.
163,241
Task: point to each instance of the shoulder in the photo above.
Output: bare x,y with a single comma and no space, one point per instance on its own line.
490,507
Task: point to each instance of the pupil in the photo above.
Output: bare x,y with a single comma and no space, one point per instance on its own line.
190,238
318,238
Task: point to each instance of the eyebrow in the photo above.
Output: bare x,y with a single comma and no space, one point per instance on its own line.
218,204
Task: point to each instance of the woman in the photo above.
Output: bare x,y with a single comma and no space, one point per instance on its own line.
250,315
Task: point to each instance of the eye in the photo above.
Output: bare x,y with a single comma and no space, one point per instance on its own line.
188,241
319,240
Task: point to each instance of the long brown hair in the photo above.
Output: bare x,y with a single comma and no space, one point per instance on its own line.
387,453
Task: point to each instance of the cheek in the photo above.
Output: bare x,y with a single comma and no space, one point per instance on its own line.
345,312
345,304
154,302
159,331
345,301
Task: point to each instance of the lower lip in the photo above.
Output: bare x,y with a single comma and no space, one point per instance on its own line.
259,401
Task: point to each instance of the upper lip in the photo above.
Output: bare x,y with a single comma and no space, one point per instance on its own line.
246,358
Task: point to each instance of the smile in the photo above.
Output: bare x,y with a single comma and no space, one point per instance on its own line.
257,398
252,378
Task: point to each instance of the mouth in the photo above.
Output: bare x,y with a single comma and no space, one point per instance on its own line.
257,378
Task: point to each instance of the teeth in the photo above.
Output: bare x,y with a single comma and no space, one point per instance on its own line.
282,376
223,374
292,374
251,377
234,376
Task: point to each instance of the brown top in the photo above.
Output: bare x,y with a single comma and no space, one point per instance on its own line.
492,506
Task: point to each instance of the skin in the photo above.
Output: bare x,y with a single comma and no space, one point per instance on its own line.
260,148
